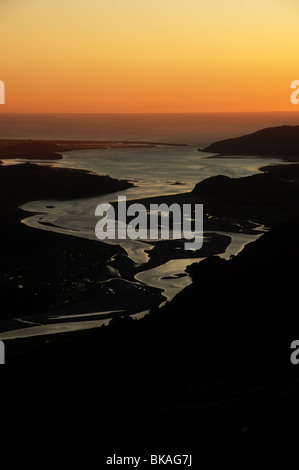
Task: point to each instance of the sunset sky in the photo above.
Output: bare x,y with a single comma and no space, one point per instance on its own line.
148,56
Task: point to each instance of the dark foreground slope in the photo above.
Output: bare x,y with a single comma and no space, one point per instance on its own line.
209,373
280,141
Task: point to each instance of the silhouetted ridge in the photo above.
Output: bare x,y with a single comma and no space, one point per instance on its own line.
32,182
282,141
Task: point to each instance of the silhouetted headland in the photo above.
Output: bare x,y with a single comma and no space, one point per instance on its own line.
33,182
282,141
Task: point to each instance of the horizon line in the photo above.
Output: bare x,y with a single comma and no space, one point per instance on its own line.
147,113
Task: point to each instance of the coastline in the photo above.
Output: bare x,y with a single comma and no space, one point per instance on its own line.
116,267
118,273
33,149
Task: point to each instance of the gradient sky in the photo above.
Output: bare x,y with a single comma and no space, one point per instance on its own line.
148,55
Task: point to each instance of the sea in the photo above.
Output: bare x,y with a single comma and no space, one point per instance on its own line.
198,129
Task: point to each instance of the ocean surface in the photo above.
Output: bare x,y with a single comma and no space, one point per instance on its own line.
154,171
198,129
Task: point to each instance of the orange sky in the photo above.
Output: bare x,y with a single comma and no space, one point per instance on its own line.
148,56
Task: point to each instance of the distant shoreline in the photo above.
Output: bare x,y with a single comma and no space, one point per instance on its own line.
32,149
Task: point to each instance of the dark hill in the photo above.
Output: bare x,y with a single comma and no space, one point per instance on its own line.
280,141
29,182
267,198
